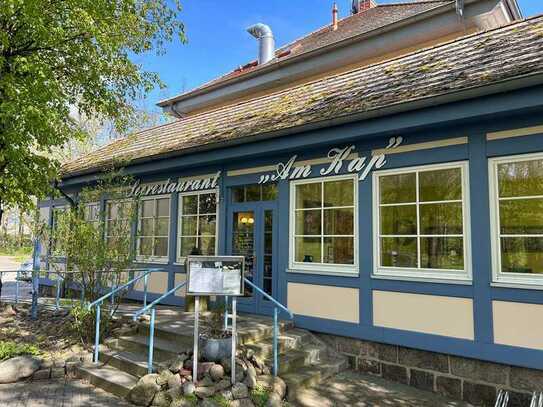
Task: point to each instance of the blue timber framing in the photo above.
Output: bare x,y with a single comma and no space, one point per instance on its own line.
472,118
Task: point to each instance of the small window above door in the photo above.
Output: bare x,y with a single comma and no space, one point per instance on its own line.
254,193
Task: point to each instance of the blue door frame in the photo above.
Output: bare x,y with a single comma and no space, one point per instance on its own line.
256,304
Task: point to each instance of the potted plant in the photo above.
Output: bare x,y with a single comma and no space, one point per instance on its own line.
215,341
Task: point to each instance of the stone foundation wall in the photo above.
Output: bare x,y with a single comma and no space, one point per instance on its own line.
474,381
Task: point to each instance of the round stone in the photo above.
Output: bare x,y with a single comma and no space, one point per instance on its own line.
216,372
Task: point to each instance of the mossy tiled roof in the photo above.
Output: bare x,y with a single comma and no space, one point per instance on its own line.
469,62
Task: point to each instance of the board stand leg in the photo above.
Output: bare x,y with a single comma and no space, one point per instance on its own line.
234,335
196,337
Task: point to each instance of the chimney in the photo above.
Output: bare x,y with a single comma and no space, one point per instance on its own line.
264,35
362,5
334,17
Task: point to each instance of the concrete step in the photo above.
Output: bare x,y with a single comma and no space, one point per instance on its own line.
312,375
174,330
129,362
108,378
138,344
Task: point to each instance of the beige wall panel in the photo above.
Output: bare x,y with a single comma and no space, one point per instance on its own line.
179,278
525,131
518,324
430,314
338,303
156,284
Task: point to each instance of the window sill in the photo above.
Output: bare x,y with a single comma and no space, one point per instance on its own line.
324,272
423,278
522,285
151,260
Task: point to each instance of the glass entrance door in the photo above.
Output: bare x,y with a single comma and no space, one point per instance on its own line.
252,235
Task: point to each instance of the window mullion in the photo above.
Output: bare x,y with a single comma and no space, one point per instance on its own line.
418,219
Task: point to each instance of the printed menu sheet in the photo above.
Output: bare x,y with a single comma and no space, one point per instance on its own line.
215,277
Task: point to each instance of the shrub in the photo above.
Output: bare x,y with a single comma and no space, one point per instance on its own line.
84,323
9,349
259,396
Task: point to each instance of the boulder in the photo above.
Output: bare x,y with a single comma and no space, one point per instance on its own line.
174,381
222,385
274,400
273,384
162,399
163,377
204,392
242,403
226,364
188,388
250,379
240,391
181,402
143,394
216,372
177,363
18,368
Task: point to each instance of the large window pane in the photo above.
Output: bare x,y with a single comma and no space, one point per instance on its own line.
187,245
338,193
399,220
146,246
189,225
338,250
147,227
190,204
523,178
161,246
162,227
207,225
399,251
252,193
399,188
441,219
269,192
308,249
440,185
338,222
163,207
308,222
522,255
309,195
148,208
521,216
208,203
238,194
207,245
442,253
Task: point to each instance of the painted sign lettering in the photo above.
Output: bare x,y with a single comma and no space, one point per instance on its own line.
339,156
167,187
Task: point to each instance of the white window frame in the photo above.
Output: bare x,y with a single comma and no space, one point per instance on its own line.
181,259
323,268
107,219
153,259
423,274
520,280
95,203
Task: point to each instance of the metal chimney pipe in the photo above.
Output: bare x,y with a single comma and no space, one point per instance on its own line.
264,35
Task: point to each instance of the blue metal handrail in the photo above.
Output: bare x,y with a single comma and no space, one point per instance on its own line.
113,291
278,305
151,307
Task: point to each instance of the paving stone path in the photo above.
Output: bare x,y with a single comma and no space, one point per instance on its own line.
51,393
354,389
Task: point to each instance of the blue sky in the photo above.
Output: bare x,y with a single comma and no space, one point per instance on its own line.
218,41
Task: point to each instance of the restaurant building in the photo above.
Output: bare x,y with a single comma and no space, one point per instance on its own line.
383,176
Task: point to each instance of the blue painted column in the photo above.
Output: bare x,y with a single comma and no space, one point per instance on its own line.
480,238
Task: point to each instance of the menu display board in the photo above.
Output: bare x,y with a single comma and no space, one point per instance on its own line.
215,275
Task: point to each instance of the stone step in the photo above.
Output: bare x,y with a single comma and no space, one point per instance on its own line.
108,378
162,350
312,375
292,339
129,362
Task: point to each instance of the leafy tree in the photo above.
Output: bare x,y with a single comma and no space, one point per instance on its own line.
61,56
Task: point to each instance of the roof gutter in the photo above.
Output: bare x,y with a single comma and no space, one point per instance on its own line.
503,86
310,54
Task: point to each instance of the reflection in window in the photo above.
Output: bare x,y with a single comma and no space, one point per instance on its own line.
324,222
520,215
254,192
56,214
118,219
153,227
197,224
421,219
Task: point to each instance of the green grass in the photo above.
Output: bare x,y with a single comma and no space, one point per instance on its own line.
9,349
221,400
260,396
20,254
